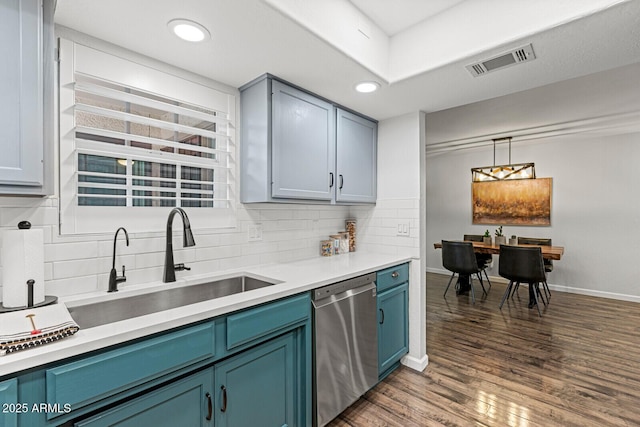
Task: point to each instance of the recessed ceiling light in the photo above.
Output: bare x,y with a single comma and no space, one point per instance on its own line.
188,30
367,87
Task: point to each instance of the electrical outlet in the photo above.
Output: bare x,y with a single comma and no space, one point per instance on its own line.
403,229
254,232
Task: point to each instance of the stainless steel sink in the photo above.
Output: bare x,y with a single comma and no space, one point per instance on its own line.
100,313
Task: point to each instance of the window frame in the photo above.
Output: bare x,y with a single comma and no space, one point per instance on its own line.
98,64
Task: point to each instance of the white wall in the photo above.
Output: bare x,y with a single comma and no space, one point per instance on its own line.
595,203
398,189
401,200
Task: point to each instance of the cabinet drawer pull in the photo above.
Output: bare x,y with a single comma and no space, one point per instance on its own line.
209,407
395,274
382,316
330,179
224,399
341,181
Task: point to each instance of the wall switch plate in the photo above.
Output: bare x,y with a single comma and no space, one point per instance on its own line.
403,229
255,232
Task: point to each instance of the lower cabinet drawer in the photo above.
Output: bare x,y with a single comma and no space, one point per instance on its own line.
261,321
392,276
89,380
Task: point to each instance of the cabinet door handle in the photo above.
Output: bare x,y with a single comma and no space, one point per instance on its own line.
330,179
395,274
209,407
341,181
381,316
224,399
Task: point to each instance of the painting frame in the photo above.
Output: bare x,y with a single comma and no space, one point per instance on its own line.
512,202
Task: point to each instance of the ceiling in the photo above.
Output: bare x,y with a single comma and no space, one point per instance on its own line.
416,49
394,17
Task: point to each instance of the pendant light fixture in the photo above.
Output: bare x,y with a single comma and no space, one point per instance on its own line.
503,172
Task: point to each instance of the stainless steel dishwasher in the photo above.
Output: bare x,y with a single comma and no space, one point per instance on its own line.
346,345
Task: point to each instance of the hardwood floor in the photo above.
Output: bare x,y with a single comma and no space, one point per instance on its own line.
578,365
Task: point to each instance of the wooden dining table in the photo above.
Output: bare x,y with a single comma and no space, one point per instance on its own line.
548,252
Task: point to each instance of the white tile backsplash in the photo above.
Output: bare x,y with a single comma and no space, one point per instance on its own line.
75,268
81,250
377,227
78,264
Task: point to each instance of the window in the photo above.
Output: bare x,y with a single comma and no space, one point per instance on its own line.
136,141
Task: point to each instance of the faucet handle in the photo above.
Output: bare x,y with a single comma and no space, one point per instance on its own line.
122,278
180,267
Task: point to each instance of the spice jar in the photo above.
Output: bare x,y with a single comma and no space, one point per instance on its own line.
336,243
344,242
350,225
326,247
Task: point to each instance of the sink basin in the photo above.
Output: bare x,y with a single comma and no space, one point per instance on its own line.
100,313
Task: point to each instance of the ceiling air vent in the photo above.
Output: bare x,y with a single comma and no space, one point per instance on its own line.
516,56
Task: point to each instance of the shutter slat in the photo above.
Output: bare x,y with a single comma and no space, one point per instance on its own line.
220,117
147,121
147,139
123,152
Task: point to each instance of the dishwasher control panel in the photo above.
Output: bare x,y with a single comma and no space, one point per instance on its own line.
343,286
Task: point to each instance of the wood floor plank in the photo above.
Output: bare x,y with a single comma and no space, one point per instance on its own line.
577,365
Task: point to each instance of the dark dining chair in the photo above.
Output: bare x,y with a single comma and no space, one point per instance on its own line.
520,264
548,264
483,260
458,257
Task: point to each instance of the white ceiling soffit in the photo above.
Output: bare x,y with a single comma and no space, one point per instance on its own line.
464,29
398,15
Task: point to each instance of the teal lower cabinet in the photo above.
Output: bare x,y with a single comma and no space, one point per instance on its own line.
251,367
258,387
10,405
187,402
393,325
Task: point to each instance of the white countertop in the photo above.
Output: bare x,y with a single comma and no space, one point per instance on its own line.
291,278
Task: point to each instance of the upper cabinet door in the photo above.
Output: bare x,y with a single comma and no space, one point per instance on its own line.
303,144
356,158
21,84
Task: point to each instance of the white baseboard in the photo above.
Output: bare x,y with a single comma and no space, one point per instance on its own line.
594,293
558,288
415,363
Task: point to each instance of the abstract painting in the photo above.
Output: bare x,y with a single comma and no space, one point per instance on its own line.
512,202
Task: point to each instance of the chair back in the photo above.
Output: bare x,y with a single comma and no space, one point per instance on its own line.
548,264
483,260
521,264
459,257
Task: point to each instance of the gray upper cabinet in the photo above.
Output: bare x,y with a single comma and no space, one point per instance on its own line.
25,38
303,143
292,150
356,159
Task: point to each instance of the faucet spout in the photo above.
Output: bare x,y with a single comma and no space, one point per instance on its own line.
114,279
187,241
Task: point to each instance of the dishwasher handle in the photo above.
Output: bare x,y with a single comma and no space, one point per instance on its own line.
349,293
343,286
